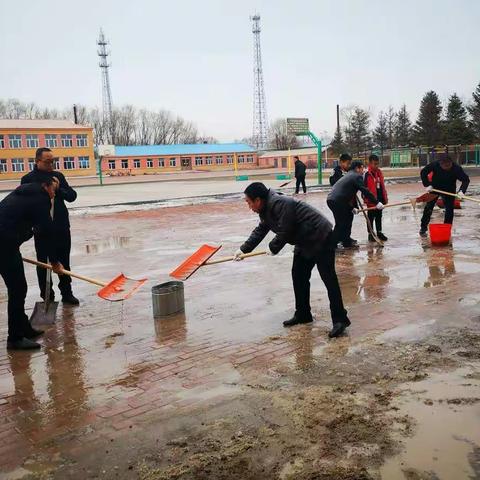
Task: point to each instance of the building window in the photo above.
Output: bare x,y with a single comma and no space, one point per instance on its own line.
125,163
67,141
83,162
173,162
111,165
241,159
208,160
229,159
51,141
15,141
31,164
161,162
32,141
249,158
136,163
219,160
82,140
198,161
149,163
2,141
18,165
3,165
57,164
68,163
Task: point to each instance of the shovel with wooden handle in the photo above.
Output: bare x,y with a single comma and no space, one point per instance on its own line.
465,197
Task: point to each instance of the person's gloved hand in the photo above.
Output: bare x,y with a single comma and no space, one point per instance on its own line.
461,195
237,256
355,211
380,206
429,188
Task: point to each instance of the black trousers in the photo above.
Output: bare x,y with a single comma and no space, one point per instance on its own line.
449,203
343,215
375,217
63,245
301,181
302,271
11,270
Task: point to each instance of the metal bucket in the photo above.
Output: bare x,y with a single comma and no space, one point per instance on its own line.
168,299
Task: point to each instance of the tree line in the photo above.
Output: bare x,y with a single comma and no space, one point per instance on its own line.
457,124
128,125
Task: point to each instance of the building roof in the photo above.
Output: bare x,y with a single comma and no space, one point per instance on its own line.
37,124
182,149
292,152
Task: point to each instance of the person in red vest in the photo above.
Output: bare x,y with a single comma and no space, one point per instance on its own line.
375,183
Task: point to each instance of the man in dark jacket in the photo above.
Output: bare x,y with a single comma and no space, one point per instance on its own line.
300,173
342,202
444,175
299,224
26,208
341,169
43,169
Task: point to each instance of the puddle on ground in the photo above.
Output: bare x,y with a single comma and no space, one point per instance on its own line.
99,246
446,443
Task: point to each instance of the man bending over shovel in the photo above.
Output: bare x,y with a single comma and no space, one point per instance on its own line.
25,209
299,224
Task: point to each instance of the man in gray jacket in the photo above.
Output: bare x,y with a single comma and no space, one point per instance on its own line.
299,224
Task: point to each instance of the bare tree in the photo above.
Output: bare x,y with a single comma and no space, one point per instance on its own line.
279,138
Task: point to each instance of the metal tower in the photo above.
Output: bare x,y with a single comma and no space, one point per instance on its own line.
260,121
106,91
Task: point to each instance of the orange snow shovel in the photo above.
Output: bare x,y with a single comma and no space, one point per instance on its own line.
200,258
118,289
424,198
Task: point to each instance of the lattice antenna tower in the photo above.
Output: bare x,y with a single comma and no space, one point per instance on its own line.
103,53
260,120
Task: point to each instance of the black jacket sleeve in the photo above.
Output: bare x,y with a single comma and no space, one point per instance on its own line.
462,177
285,212
43,227
65,191
258,234
424,174
365,191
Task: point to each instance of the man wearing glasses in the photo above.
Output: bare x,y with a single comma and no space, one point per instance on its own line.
44,169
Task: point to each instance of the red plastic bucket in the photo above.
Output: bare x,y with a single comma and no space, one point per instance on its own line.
440,233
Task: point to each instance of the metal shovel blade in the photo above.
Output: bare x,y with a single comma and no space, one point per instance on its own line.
44,314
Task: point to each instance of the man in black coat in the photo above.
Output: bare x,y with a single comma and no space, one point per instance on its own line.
444,175
43,169
26,208
299,224
342,201
344,163
300,173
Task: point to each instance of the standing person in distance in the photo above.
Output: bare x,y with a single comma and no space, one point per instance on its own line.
342,201
43,169
444,176
375,183
341,169
300,174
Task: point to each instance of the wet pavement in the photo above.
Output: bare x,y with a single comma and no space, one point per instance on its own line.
108,369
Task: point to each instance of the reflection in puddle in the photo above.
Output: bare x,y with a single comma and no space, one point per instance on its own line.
109,244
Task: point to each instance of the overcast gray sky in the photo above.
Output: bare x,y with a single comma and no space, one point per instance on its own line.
195,57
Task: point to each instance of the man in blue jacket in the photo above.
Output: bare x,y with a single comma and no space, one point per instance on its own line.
43,169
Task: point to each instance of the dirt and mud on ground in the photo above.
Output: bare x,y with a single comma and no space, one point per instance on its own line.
224,391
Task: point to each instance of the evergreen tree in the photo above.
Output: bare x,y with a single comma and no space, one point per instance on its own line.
403,127
428,128
381,132
474,110
457,131
391,118
337,143
357,131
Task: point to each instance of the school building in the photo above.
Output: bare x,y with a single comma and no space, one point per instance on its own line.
153,159
285,158
72,146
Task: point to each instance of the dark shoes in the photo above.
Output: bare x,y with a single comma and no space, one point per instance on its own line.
297,321
339,328
33,333
22,344
370,238
351,244
382,237
423,232
69,299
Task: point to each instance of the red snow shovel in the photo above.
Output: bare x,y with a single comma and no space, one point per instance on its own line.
118,289
200,258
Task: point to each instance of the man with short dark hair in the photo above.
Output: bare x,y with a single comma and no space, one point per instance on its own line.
442,175
299,224
344,162
44,169
342,201
26,208
300,174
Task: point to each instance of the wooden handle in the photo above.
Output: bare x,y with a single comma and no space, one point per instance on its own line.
229,259
476,200
66,272
397,204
